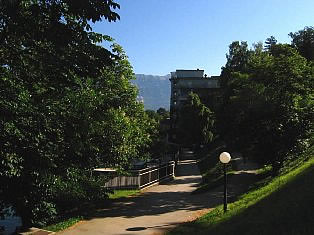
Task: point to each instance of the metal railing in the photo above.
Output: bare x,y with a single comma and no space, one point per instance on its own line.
140,179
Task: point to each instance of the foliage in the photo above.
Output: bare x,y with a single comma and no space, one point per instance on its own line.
163,113
267,102
158,146
64,224
271,41
303,41
211,168
66,106
237,60
160,114
152,114
196,122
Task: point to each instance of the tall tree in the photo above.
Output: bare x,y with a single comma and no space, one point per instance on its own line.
46,39
270,42
163,113
268,112
237,61
196,122
66,105
303,41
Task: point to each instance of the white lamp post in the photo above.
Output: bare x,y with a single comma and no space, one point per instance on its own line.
225,158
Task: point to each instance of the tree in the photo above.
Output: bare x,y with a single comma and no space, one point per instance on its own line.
163,113
303,41
51,38
237,61
196,122
158,133
270,42
66,106
267,115
152,114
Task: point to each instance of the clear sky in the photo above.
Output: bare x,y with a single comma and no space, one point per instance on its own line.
160,36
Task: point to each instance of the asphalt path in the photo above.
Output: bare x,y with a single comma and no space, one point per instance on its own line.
159,208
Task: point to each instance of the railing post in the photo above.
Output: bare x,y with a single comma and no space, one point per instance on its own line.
158,171
149,176
139,179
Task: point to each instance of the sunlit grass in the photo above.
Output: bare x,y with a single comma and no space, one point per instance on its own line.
123,193
283,206
63,224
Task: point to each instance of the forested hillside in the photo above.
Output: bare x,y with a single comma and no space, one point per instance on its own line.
155,90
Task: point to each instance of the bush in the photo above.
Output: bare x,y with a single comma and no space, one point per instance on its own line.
77,189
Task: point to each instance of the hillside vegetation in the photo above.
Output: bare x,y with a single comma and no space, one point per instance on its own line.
284,205
154,90
265,115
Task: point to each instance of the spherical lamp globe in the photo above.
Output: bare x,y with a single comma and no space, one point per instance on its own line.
225,157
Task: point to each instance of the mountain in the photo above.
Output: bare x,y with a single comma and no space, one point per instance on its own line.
154,90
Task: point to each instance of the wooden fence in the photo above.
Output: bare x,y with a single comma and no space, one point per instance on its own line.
140,179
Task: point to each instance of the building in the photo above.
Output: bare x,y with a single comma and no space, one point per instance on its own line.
185,81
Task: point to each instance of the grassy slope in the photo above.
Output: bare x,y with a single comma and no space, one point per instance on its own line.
123,193
284,206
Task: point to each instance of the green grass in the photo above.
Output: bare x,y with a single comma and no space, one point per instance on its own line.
68,222
211,168
208,159
265,170
63,224
123,193
284,206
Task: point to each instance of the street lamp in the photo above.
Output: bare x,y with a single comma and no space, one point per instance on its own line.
224,158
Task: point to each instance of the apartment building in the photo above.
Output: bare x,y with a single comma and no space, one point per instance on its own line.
185,81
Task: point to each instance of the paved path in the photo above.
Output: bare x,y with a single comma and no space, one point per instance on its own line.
157,209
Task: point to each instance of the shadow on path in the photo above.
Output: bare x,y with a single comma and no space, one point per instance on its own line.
158,208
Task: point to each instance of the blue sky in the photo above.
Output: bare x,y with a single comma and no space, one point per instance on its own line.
160,36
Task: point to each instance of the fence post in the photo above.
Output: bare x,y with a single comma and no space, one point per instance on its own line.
150,176
159,172
139,179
